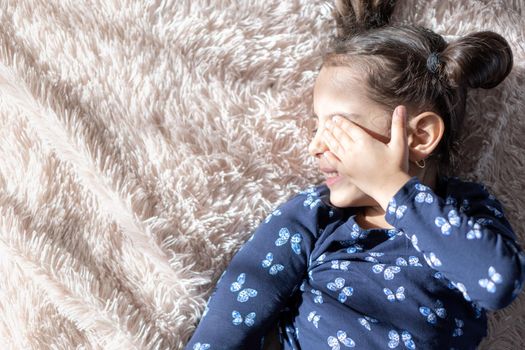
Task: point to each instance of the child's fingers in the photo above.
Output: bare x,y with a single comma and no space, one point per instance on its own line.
333,143
345,141
351,129
398,129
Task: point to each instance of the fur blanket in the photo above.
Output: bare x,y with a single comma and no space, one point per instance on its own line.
142,142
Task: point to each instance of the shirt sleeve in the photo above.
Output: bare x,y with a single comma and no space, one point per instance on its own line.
465,236
261,277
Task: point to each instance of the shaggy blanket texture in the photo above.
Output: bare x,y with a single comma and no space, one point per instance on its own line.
142,142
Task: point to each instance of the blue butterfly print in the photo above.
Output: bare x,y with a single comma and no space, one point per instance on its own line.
376,254
405,336
244,294
311,200
365,322
461,287
496,212
199,346
450,201
430,314
314,318
274,269
303,285
291,330
432,260
337,285
490,283
388,272
343,265
412,260
371,259
423,196
320,259
341,337
421,187
276,212
356,232
484,221
318,299
394,209
355,248
295,241
476,309
372,256
414,241
393,233
439,275
475,231
458,331
249,320
399,294
453,220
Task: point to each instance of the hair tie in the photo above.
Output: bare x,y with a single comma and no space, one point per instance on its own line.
433,62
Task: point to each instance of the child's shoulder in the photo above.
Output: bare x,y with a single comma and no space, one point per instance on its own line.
306,203
454,188
303,207
308,197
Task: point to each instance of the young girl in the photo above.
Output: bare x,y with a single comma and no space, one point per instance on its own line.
388,253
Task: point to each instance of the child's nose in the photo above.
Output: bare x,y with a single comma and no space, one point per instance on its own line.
317,146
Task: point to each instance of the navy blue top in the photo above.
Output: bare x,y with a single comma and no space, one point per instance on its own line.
330,284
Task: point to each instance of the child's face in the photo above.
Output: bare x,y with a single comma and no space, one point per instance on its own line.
337,91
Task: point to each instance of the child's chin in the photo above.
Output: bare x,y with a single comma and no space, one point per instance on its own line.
349,197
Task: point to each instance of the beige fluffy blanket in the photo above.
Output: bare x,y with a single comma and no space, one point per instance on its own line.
141,143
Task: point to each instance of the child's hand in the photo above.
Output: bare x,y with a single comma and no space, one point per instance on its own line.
378,169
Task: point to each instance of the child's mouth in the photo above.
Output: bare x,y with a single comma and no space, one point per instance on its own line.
332,178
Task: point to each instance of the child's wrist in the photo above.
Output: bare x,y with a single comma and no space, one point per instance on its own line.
390,188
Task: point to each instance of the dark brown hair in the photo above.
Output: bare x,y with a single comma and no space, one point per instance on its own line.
414,66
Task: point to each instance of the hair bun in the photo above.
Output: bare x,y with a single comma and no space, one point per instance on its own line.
355,16
478,60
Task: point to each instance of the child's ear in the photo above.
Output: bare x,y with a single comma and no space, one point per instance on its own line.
424,131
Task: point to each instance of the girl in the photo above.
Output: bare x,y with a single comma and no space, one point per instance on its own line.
389,252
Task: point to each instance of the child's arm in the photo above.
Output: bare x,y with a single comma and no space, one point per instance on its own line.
475,247
465,236
260,278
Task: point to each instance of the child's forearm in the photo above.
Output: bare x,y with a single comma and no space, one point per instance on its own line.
387,190
469,242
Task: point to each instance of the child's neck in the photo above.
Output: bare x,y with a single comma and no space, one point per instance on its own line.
371,217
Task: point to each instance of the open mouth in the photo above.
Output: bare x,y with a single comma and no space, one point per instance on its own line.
332,178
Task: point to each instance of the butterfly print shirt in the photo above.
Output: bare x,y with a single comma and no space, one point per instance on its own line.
328,283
